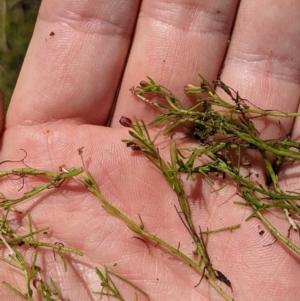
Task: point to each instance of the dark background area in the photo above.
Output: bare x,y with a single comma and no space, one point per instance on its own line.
17,19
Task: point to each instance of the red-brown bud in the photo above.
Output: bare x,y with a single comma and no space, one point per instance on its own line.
125,121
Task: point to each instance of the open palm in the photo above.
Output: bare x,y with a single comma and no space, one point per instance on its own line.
63,100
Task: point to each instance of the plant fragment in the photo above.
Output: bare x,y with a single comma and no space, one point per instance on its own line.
225,131
13,241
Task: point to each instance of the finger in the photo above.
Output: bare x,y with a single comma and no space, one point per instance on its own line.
174,41
263,61
264,66
74,63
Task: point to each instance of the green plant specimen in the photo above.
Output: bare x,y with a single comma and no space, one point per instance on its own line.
220,135
223,130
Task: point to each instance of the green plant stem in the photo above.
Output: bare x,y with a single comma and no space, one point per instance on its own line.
36,172
57,178
91,185
146,145
272,229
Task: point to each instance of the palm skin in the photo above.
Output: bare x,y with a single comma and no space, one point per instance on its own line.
65,94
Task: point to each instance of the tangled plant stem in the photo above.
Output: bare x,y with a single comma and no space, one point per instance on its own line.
11,240
223,130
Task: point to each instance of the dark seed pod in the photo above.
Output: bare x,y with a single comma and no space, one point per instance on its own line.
135,147
36,283
37,268
129,143
125,121
132,145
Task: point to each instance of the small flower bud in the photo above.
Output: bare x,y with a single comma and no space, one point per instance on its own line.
189,87
125,121
144,84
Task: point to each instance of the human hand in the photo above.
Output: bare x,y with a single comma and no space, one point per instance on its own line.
64,97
